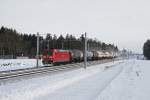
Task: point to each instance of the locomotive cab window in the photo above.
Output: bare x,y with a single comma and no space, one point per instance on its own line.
49,53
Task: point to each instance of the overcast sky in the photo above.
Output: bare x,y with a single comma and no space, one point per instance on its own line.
125,23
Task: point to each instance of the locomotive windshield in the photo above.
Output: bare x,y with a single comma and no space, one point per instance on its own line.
49,53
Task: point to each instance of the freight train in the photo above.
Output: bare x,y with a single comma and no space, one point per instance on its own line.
57,56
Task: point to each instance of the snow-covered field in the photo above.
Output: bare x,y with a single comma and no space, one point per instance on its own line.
13,64
132,84
119,80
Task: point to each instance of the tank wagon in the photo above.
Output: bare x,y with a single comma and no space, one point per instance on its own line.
108,55
97,55
89,55
76,55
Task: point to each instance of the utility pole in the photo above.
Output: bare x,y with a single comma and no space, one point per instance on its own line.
53,43
3,53
37,52
85,52
48,45
113,52
62,45
88,47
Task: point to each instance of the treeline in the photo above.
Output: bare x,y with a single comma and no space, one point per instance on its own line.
146,49
18,44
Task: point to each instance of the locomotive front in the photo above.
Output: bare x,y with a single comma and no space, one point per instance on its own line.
56,56
47,57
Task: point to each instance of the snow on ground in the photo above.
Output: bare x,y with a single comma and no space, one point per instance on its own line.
13,64
110,81
79,84
132,84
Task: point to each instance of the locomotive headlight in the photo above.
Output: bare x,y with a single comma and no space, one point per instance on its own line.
44,57
51,58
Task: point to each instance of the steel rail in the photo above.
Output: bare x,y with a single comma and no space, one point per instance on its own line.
40,70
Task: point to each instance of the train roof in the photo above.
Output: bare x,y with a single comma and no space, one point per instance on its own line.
60,50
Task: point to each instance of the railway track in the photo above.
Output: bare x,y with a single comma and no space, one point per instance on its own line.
46,69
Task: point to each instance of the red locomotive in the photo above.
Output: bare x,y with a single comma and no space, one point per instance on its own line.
56,56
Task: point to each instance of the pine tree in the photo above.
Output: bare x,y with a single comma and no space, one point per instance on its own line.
146,49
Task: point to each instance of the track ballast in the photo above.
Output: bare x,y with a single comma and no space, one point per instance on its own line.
47,69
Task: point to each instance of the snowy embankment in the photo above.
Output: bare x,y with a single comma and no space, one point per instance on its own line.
13,64
132,84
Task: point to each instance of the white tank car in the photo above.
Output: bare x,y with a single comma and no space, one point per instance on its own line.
98,55
108,54
89,55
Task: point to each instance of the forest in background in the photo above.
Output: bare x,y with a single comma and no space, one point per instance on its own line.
21,44
146,49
